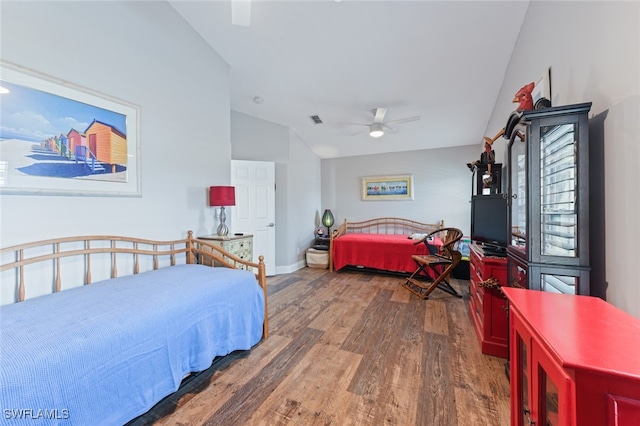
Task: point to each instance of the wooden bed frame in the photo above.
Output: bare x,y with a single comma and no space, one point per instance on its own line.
383,225
127,252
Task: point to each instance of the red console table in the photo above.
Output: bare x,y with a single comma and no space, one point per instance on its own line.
575,360
487,305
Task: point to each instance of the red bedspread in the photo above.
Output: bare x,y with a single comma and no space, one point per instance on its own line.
378,251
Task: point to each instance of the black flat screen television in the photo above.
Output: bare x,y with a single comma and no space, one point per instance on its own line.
489,222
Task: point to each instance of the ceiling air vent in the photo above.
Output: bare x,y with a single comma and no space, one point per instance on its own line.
316,119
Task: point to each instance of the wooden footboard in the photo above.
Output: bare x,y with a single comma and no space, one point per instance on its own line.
383,225
205,253
72,261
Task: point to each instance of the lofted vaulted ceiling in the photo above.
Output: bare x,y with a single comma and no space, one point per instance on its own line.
441,60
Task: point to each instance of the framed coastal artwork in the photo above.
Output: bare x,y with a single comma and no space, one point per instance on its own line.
57,138
398,187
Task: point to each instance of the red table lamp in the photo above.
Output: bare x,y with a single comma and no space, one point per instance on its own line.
221,196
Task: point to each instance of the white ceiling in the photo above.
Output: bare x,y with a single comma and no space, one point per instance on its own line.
442,60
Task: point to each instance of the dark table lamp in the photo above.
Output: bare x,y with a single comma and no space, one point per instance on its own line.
221,196
327,220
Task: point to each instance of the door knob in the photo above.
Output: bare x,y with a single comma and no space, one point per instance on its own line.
271,225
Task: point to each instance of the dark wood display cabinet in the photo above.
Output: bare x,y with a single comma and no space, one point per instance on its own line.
548,190
487,304
573,360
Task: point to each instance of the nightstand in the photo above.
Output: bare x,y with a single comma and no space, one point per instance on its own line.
238,245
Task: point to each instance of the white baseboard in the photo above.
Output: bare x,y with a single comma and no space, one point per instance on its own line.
291,268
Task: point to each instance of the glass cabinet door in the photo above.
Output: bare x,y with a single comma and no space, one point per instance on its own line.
558,191
549,401
518,193
558,279
554,283
551,391
524,416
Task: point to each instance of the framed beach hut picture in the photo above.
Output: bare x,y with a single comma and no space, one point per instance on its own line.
399,187
59,138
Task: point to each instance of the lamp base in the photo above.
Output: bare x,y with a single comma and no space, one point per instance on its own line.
223,230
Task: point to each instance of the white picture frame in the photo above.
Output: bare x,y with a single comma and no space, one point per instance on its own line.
541,94
49,129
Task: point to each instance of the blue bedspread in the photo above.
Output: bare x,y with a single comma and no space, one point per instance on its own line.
108,352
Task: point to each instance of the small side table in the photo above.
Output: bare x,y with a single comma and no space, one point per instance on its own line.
238,245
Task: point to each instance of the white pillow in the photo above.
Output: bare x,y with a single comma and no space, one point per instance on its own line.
417,236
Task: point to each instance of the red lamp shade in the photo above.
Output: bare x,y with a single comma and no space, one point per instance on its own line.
222,196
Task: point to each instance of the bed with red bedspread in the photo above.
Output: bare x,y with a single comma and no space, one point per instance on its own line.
380,244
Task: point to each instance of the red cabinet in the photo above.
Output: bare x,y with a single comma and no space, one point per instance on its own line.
574,361
487,304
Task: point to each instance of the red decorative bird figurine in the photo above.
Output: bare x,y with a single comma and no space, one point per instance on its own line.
523,97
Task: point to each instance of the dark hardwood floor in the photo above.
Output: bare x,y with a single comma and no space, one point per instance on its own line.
349,348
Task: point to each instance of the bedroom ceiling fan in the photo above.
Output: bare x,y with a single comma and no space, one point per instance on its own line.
378,126
241,12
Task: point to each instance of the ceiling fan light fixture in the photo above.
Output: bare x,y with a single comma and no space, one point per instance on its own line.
376,130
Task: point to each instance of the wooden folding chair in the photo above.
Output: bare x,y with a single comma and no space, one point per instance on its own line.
441,261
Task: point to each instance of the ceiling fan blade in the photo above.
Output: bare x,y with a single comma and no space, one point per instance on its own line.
390,130
241,12
379,114
404,120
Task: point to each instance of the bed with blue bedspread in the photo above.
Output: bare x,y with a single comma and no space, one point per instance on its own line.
107,352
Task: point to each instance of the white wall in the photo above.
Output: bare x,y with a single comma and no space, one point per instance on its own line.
297,182
258,140
181,87
442,186
304,198
593,49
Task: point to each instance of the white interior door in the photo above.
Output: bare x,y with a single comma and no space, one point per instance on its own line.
255,212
